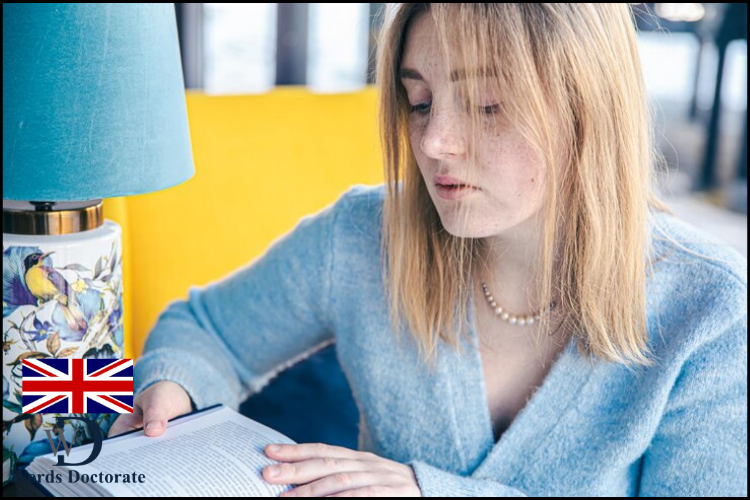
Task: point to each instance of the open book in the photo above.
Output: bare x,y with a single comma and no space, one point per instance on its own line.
212,452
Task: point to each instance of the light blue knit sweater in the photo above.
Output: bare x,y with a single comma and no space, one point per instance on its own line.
592,429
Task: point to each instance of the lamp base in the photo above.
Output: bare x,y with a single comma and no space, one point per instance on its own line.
62,298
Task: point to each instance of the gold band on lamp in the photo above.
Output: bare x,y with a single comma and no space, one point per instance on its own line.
51,218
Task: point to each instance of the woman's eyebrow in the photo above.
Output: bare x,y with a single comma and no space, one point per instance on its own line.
458,74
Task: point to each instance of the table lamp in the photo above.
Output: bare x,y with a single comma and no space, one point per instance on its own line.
93,108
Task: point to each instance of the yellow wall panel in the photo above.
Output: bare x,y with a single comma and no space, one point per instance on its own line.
262,162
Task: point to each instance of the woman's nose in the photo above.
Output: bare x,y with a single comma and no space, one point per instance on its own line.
444,134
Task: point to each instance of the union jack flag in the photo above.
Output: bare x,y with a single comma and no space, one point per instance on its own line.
77,386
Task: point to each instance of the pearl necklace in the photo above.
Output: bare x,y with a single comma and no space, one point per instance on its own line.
512,318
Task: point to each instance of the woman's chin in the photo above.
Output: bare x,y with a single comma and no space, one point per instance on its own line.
463,231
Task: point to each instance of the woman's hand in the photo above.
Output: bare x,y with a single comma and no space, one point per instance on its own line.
154,406
322,470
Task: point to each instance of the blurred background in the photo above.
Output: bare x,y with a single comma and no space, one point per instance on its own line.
694,57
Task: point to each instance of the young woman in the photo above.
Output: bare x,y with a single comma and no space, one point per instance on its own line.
515,310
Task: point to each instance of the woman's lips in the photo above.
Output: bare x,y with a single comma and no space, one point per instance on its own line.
455,192
448,180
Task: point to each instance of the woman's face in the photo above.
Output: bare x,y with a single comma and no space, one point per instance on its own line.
509,178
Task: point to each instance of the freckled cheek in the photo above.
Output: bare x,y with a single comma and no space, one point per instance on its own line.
508,179
415,138
421,159
512,189
532,186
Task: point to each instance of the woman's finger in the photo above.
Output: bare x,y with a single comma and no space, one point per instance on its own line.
158,407
295,452
305,471
124,423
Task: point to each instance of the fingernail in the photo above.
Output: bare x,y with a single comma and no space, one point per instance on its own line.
274,448
273,471
154,425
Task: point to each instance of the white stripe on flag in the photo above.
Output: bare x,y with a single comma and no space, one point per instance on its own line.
47,397
110,375
49,369
106,403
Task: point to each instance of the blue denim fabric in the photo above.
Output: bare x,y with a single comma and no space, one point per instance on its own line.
678,428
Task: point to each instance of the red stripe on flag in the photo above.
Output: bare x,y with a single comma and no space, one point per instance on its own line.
77,379
108,368
40,370
33,410
116,403
68,386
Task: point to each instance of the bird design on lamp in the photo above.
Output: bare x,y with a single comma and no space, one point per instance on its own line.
45,284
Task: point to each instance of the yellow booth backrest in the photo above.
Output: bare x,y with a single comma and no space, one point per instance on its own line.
261,163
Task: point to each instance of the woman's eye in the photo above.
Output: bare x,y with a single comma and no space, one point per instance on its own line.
421,108
491,109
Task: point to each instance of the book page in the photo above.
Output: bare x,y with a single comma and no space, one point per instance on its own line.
218,454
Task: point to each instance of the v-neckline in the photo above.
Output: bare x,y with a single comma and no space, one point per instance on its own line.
566,377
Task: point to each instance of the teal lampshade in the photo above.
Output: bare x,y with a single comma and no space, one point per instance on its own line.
93,101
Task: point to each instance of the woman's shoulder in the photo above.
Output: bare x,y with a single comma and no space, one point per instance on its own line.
695,253
698,289
359,213
364,197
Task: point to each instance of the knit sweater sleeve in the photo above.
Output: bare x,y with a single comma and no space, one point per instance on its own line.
227,339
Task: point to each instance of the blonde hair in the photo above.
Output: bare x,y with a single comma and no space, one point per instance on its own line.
577,63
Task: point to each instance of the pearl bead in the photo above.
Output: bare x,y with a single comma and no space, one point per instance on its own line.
513,319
